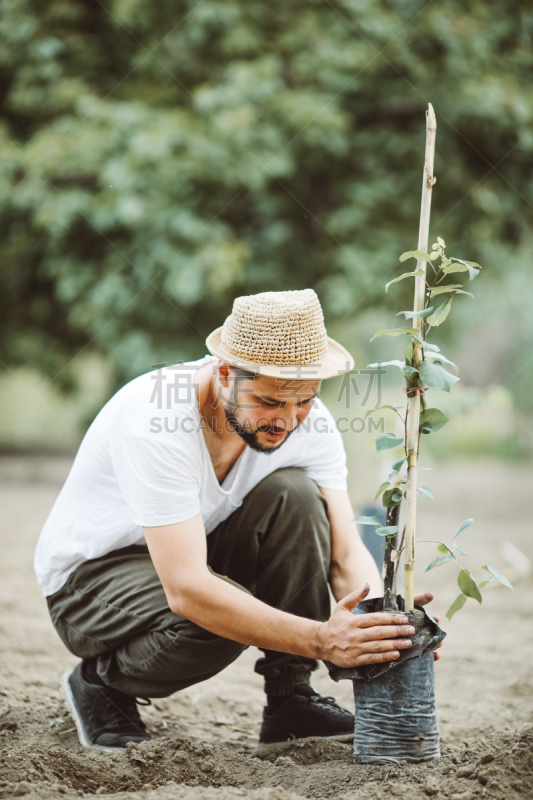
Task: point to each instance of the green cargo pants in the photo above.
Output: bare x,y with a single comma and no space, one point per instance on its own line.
276,546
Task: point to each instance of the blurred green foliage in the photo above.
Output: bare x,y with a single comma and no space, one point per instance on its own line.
158,159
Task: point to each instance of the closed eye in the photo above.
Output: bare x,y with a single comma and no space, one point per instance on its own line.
302,403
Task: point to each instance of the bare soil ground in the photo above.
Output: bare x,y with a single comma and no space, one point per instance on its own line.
204,737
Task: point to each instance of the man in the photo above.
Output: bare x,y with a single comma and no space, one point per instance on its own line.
247,454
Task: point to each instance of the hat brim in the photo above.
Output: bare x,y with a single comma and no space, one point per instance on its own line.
336,362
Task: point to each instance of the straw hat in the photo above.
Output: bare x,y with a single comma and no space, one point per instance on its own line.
281,334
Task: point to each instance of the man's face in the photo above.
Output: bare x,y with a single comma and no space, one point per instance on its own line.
265,411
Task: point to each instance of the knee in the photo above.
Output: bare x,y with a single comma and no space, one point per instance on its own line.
301,506
294,484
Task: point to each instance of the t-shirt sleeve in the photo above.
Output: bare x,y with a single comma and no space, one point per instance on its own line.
160,483
324,455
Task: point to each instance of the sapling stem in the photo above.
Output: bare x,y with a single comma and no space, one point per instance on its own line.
392,555
418,355
400,551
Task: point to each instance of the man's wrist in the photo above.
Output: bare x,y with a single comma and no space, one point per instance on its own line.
320,644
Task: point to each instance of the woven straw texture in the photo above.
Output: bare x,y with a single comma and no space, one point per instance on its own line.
282,328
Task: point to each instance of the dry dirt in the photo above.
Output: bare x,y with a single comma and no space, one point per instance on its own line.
204,737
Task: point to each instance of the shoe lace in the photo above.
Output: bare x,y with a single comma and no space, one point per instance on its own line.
125,712
329,703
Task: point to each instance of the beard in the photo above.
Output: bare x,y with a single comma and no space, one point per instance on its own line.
250,436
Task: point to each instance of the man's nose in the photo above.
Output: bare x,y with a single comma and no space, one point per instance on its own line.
287,422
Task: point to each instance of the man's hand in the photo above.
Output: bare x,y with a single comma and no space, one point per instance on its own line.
423,600
352,640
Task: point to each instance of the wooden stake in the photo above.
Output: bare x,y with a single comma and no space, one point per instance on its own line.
413,418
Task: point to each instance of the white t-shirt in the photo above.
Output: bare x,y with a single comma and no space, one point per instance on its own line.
144,461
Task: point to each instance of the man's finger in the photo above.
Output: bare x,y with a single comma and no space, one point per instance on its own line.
386,632
424,599
388,644
436,656
371,620
377,658
351,600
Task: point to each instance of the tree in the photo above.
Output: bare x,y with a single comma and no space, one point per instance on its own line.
158,160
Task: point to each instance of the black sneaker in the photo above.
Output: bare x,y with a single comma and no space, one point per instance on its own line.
105,718
311,717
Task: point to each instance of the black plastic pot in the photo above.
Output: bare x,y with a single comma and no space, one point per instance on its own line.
395,714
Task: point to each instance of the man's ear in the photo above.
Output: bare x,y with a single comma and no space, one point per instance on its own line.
224,374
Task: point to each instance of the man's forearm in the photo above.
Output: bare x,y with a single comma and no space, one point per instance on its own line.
354,571
351,564
225,610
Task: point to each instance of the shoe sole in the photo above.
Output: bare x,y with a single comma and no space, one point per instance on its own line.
66,694
266,749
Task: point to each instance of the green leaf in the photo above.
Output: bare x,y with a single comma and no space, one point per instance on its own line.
396,467
432,419
420,255
431,565
410,371
392,497
461,266
455,288
414,274
449,556
440,560
394,363
396,332
427,346
486,582
425,492
409,354
441,241
432,347
464,526
472,265
439,309
381,408
435,290
454,266
368,521
468,585
441,548
436,377
441,313
456,606
381,489
498,576
387,441
416,314
388,531
460,550
443,360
